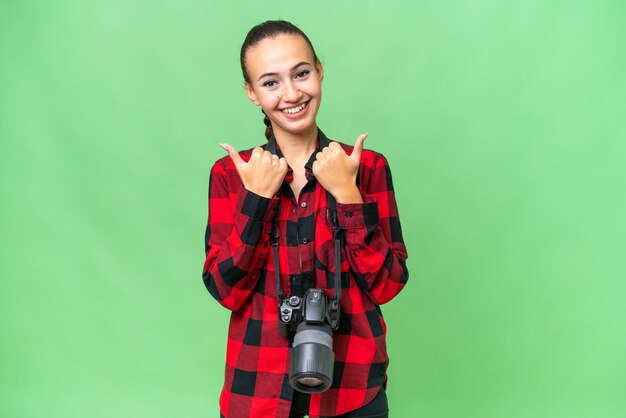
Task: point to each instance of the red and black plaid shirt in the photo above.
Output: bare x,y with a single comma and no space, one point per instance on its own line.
239,273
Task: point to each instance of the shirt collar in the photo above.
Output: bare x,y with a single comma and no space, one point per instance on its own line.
321,142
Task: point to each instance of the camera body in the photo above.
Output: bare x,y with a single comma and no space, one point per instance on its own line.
314,308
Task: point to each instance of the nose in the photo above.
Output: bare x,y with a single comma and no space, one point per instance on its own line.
291,93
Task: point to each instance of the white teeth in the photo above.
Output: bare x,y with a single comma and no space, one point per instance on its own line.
295,109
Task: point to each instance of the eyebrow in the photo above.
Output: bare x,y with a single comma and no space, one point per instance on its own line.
292,68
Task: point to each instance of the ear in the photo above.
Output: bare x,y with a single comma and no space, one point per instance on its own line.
320,69
251,94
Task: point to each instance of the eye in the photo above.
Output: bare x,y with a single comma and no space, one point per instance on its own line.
269,83
301,74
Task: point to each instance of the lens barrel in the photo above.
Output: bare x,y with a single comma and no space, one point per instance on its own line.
312,358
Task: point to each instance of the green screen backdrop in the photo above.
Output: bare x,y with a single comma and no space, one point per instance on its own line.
503,123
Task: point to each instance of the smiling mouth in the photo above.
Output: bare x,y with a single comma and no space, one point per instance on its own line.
295,109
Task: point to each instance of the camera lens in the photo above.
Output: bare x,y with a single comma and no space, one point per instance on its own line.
310,381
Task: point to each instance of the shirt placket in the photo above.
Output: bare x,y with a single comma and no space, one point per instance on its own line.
301,256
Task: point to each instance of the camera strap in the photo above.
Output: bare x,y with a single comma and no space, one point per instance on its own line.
274,240
331,213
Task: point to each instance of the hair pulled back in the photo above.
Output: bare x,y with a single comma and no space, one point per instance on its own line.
269,29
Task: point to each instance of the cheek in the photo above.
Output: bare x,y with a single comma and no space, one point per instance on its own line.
268,101
318,94
316,91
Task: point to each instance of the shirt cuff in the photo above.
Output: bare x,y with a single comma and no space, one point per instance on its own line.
256,206
358,215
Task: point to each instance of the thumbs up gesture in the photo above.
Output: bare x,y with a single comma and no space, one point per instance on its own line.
262,174
336,171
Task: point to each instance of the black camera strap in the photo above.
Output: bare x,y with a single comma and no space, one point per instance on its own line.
332,218
274,240
331,213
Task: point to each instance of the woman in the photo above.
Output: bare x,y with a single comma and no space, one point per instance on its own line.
288,185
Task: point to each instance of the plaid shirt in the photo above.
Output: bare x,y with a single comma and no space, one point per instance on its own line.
239,273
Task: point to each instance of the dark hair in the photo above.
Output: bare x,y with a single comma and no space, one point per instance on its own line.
269,29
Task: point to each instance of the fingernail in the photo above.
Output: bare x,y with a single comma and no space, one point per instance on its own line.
224,146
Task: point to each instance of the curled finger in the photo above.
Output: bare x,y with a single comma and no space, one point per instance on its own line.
275,160
257,153
334,146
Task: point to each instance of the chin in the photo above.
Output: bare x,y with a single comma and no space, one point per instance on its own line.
299,128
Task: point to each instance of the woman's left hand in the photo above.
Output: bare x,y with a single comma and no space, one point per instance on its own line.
336,171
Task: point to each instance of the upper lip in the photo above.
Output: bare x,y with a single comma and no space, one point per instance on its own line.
292,106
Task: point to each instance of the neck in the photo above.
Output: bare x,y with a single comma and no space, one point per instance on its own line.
297,148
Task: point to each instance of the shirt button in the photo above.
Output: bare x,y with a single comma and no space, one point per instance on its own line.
348,215
303,204
305,240
293,210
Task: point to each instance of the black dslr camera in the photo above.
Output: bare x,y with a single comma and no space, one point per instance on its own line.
312,358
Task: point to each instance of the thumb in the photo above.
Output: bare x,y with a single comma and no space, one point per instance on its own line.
358,147
234,155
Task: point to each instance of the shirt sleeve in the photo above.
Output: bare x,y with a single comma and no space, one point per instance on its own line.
236,239
374,244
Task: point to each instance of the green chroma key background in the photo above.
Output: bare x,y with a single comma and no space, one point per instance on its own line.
503,123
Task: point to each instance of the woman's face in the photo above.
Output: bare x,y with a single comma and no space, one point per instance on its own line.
286,82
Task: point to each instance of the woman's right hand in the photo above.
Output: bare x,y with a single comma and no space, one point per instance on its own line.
263,174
